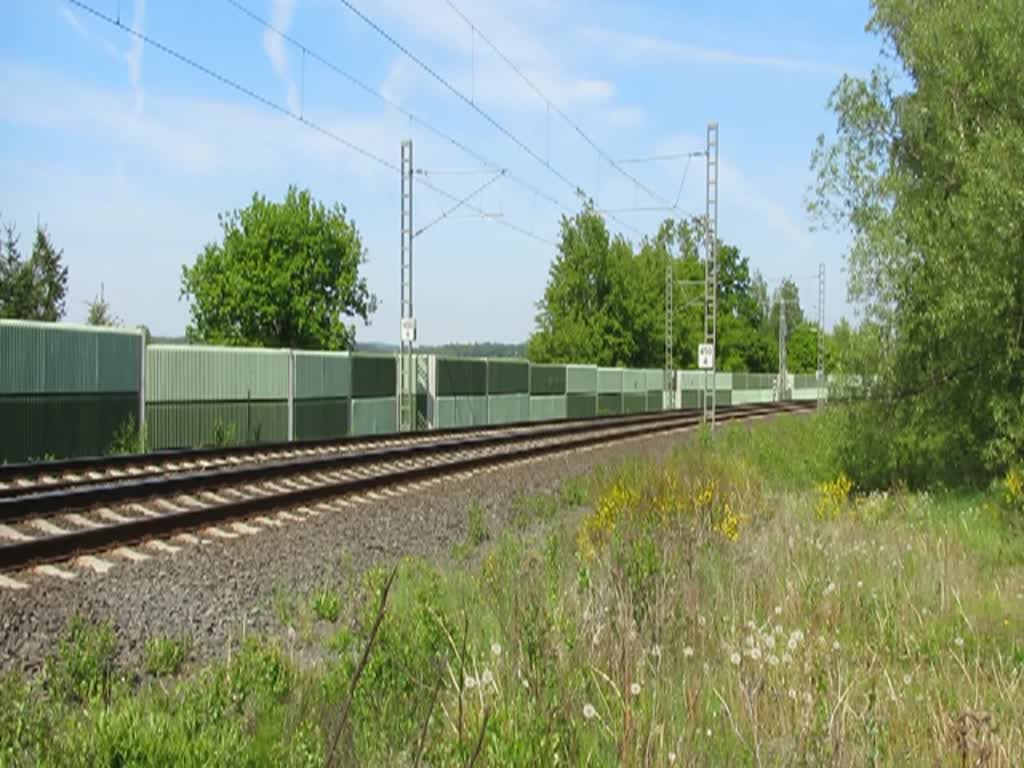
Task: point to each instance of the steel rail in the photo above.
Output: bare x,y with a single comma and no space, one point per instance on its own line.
65,545
82,496
261,453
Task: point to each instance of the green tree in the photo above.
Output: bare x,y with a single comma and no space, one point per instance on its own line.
284,275
100,312
924,172
581,316
35,289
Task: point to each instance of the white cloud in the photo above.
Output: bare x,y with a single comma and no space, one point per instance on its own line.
281,14
649,46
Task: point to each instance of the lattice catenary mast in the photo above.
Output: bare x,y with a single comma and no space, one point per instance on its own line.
820,371
711,272
407,377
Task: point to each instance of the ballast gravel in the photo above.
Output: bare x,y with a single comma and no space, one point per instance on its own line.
216,592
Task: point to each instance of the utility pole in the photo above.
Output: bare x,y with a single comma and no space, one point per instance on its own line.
407,373
711,273
820,371
782,346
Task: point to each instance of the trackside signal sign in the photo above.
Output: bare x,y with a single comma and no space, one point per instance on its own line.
706,357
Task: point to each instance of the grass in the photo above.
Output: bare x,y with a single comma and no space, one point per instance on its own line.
166,655
734,605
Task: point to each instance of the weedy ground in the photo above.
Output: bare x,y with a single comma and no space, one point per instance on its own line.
737,604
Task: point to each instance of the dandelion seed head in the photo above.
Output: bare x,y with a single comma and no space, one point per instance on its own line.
589,712
735,659
486,678
792,694
496,649
835,645
773,660
808,699
786,658
635,689
830,588
769,641
792,644
701,621
755,653
688,652
708,732
959,642
471,683
778,629
906,679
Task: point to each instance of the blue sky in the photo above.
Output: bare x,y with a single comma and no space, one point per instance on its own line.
128,155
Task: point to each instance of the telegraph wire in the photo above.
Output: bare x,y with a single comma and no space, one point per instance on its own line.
414,118
285,111
458,205
551,105
576,188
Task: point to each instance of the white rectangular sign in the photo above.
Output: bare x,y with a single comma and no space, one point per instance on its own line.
408,330
706,357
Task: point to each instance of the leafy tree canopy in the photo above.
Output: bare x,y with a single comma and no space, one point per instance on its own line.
604,303
924,172
284,275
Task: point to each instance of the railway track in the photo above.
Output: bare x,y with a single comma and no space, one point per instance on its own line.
22,479
81,518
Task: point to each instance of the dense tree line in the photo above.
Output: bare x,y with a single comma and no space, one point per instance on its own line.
924,171
604,303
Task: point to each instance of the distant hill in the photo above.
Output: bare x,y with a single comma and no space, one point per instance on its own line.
469,349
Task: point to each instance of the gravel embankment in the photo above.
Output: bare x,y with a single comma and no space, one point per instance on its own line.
216,591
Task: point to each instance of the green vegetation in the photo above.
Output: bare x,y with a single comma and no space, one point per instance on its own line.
923,172
166,655
326,604
100,313
732,605
285,275
36,288
128,439
604,303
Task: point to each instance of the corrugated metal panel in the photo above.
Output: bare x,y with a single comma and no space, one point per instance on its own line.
547,379
690,399
322,375
804,394
690,379
547,407
723,380
204,374
609,380
634,380
470,411
609,404
507,377
191,425
654,400
581,379
634,402
51,357
457,377
508,409
374,416
322,419
805,381
694,398
654,378
748,396
374,376
581,406
61,426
